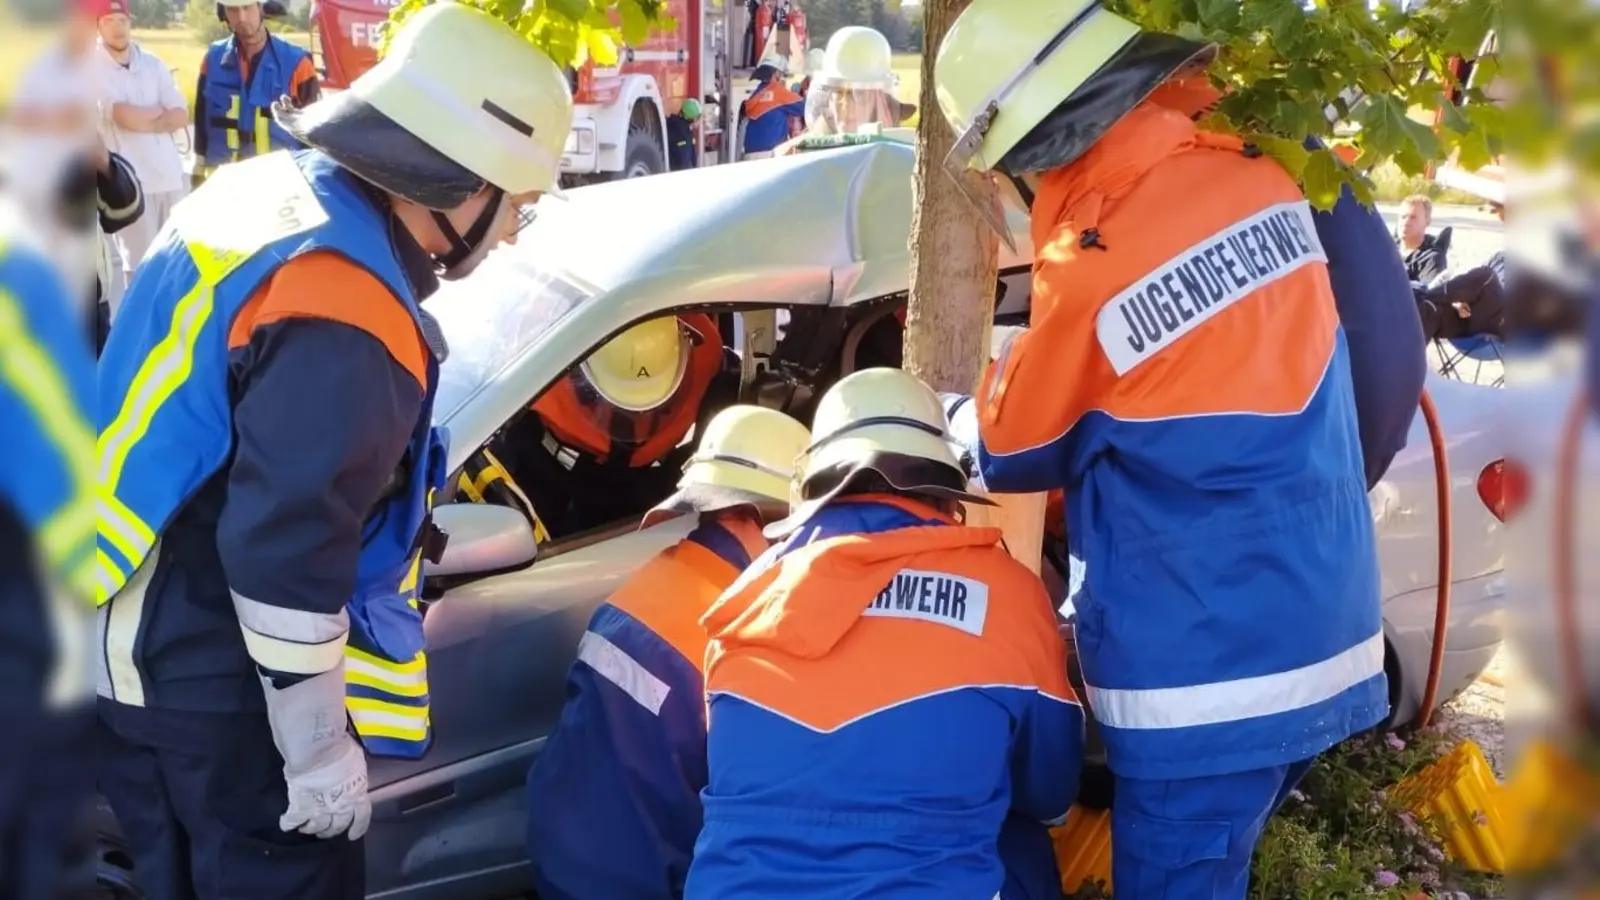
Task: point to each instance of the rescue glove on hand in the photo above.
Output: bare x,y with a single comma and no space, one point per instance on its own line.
961,416
324,765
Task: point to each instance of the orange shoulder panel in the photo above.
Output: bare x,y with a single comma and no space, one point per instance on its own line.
886,661
304,71
325,285
1223,302
672,592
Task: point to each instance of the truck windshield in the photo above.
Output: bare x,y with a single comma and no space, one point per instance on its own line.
503,312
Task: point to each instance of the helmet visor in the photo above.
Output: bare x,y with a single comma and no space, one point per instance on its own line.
844,109
979,187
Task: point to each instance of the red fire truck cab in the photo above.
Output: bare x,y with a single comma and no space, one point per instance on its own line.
619,114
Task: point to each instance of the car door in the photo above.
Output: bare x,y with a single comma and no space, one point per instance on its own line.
452,824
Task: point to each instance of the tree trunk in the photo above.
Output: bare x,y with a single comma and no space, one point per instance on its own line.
953,253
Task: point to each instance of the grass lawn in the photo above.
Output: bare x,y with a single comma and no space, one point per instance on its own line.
180,48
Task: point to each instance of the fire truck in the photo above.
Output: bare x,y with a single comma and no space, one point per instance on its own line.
619,117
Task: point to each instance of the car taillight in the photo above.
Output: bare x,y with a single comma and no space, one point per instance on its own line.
1503,488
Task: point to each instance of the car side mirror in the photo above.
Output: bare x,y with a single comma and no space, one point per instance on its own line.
483,539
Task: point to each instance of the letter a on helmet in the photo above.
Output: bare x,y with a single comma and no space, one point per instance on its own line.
459,102
1030,86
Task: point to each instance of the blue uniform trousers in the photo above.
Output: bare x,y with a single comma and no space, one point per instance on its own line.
198,796
1192,838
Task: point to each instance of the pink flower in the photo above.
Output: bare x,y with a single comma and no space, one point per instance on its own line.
1394,741
1386,879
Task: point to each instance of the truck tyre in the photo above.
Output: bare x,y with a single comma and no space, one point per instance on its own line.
643,155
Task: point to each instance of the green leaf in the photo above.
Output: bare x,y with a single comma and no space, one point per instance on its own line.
1292,155
1221,15
1386,127
1454,119
602,49
1465,25
635,23
572,10
1322,178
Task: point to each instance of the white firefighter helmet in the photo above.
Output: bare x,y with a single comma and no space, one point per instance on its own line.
883,421
745,458
439,118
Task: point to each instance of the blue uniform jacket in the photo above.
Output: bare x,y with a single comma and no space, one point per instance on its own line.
46,492
614,796
861,747
1372,292
767,115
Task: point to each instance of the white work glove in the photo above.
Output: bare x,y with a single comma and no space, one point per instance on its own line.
324,765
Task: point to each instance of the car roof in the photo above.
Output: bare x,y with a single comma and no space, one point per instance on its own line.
822,228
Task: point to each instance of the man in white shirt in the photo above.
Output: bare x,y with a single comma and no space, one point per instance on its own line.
141,110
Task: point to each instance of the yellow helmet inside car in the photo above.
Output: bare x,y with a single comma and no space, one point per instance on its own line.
439,118
641,368
884,421
1029,86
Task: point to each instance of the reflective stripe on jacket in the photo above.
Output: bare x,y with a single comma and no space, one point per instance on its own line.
236,110
630,749
885,690
166,428
1197,409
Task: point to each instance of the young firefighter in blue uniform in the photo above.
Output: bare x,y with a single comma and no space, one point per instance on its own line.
267,463
241,77
887,691
46,538
614,797
1199,414
769,112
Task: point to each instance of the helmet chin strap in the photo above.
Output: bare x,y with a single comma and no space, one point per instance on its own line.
463,247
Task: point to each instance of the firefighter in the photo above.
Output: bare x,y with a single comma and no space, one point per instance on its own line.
1200,418
46,538
630,749
241,77
769,112
815,60
900,673
621,411
683,151
855,87
267,462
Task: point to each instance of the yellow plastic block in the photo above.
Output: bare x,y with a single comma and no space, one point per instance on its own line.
1459,795
1083,848
1547,803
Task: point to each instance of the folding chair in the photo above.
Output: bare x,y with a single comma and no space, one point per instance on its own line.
1459,356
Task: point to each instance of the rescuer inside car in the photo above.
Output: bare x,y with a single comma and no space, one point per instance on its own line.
855,86
886,687
267,462
603,429
241,77
1200,417
614,797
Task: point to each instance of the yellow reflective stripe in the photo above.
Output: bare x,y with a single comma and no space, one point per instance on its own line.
408,585
402,670
108,578
85,579
33,375
166,368
233,133
126,531
377,718
295,658
263,136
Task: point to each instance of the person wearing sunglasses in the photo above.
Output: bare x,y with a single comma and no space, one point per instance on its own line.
629,751
1186,380
269,462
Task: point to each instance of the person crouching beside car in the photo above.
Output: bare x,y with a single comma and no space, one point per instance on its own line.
614,797
887,692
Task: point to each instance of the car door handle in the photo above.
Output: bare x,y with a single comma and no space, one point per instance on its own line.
427,796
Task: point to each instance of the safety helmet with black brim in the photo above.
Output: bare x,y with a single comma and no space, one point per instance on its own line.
745,459
436,121
1090,69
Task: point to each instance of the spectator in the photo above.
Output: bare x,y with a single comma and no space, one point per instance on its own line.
142,110
241,77
1471,303
1426,256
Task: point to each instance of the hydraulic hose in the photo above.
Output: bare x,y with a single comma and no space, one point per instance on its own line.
1441,612
1566,574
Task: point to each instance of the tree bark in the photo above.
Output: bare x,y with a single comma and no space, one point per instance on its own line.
953,253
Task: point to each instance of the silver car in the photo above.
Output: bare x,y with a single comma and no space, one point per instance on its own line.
804,261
